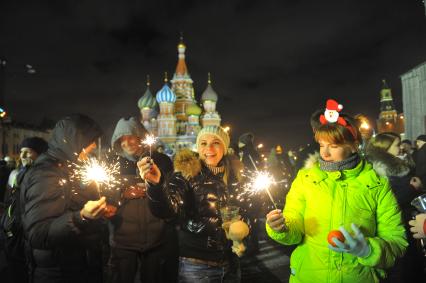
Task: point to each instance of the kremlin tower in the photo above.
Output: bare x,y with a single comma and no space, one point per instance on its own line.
389,120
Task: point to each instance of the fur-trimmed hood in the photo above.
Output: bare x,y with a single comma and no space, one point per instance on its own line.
386,164
311,160
189,164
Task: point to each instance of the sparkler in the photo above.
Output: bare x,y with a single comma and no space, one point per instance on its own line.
98,172
261,181
149,141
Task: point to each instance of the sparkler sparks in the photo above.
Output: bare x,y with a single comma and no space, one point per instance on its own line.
98,172
260,181
149,141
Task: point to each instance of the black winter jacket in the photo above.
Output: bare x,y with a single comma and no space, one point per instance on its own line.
194,196
61,243
134,227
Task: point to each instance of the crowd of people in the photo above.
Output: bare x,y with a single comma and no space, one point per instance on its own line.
168,219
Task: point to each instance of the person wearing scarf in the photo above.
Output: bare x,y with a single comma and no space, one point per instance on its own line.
201,185
339,190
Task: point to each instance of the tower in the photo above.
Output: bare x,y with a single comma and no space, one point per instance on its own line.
209,100
182,87
389,120
148,105
166,119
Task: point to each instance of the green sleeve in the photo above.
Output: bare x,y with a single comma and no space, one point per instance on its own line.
293,215
390,241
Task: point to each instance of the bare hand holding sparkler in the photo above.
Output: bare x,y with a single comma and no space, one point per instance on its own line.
149,171
93,172
93,209
276,221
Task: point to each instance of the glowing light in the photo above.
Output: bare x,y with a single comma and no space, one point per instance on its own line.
260,145
149,141
260,181
227,129
98,172
365,125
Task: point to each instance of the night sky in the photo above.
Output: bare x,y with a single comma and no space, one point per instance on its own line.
272,62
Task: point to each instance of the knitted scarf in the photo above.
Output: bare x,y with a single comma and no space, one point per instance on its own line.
349,163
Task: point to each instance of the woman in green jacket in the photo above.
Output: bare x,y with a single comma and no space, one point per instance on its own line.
339,191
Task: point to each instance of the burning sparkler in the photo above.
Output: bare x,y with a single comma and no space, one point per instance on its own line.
149,141
261,181
98,172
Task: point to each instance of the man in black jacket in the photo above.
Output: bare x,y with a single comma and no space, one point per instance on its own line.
10,222
60,220
137,238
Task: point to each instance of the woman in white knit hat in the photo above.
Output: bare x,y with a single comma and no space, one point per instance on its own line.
201,185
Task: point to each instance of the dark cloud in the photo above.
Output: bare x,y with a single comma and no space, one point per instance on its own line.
272,62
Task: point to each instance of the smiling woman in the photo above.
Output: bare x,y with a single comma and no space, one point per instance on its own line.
194,195
211,145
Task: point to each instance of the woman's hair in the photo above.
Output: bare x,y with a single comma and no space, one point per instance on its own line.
335,132
384,140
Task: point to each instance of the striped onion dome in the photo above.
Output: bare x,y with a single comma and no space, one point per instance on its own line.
165,94
147,100
209,93
193,109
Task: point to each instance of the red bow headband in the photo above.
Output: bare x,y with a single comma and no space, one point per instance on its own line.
331,115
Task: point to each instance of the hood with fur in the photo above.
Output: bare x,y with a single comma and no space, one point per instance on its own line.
311,160
386,164
189,164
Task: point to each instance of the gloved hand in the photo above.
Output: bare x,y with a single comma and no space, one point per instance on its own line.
356,245
418,225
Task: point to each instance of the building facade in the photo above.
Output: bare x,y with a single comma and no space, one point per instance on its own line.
414,101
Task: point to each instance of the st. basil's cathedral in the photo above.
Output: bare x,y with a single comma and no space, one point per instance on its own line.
174,115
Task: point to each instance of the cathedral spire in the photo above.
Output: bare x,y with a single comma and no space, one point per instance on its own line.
181,69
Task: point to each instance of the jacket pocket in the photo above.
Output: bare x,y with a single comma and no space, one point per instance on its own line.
296,260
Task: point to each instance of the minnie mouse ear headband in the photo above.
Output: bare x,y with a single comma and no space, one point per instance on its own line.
331,115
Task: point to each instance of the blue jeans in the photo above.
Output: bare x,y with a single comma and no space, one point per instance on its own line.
194,272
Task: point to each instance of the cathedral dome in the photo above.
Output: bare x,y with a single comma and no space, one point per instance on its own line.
147,100
165,94
193,109
209,93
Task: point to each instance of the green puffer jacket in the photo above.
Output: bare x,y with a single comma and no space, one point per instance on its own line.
319,202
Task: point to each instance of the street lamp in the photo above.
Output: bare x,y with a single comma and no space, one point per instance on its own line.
227,129
260,145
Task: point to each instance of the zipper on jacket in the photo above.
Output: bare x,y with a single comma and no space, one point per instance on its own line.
344,188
